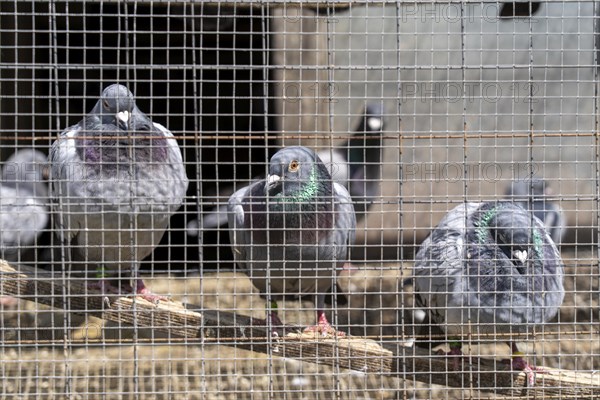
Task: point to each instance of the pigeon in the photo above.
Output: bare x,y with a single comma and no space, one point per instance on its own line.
292,231
491,265
23,208
354,164
531,195
23,203
116,179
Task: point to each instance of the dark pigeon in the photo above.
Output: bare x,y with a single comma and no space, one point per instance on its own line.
291,232
492,265
532,195
117,178
355,164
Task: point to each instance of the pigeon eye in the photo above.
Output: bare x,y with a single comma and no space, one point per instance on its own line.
294,166
105,103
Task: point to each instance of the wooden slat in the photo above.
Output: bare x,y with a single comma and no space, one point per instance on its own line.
191,322
487,375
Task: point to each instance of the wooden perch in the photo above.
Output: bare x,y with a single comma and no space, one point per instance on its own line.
192,322
225,328
493,376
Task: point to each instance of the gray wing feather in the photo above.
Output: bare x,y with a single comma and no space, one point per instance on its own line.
345,221
439,261
64,168
21,222
237,229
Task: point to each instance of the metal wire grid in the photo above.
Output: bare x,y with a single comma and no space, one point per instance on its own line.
472,101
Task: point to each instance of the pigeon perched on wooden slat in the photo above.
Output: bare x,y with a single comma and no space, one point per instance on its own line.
493,266
117,178
531,195
23,208
355,164
291,232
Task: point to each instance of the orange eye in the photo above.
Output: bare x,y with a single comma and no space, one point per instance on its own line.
294,166
105,103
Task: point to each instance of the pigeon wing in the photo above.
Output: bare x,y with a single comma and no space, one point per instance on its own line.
345,221
238,231
64,169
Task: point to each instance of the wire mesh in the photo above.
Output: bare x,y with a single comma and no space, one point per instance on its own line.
128,275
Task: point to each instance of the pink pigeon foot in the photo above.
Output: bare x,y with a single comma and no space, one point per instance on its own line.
145,293
8,301
349,267
323,326
518,363
455,353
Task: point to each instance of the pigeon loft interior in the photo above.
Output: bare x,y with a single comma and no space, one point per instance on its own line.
288,199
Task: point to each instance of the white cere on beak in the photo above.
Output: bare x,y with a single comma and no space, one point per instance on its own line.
123,116
273,179
521,255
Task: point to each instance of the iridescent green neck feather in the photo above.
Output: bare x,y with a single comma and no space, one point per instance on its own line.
538,244
484,223
308,192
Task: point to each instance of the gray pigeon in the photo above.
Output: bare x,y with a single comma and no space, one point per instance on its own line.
492,265
355,164
291,232
531,195
117,178
23,208
23,203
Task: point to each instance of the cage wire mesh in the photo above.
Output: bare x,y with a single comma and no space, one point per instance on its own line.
129,277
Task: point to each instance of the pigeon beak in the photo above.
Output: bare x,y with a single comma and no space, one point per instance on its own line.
46,172
272,181
123,116
521,255
374,124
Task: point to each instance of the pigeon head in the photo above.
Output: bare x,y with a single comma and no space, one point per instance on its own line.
26,169
296,173
107,133
115,106
515,242
514,230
